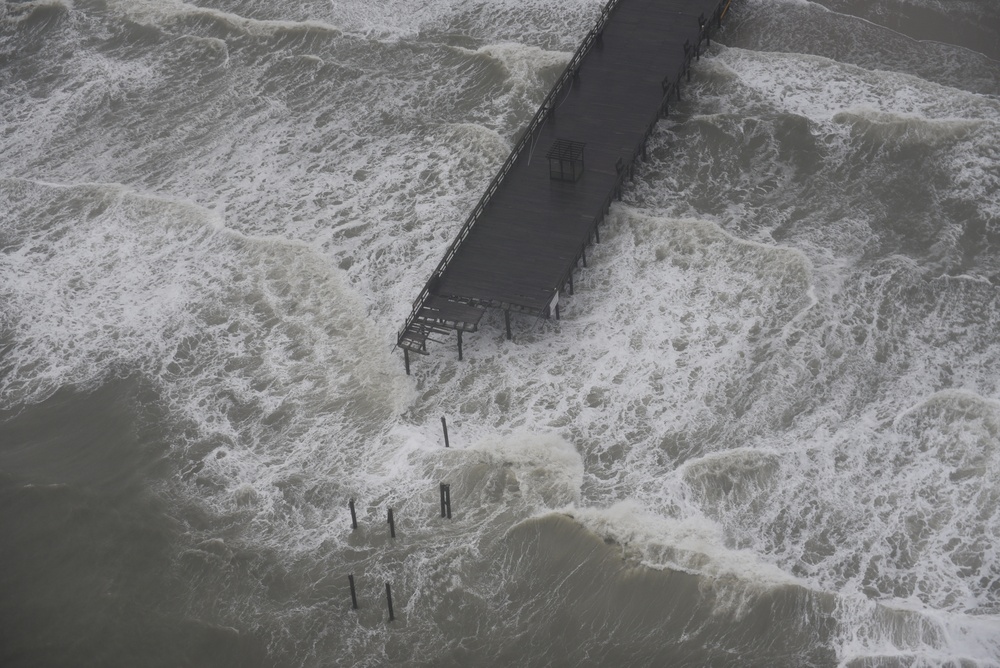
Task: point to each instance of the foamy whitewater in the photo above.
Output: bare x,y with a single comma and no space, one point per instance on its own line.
765,432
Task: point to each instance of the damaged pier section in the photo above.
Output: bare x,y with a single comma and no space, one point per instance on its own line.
530,230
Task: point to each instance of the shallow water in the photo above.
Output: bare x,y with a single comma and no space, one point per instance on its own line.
766,431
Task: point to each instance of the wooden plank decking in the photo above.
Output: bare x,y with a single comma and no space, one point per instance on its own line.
522,241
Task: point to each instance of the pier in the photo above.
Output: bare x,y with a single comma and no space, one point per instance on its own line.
530,230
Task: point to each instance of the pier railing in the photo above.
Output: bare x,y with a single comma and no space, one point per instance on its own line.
527,137
671,86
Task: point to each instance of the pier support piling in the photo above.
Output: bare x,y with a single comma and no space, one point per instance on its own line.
444,428
354,594
354,516
392,525
446,500
388,600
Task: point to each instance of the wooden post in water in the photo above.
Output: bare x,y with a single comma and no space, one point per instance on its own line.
446,500
459,345
354,516
354,595
406,360
392,525
506,318
388,599
444,427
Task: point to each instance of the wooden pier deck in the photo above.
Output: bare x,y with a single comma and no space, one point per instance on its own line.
521,243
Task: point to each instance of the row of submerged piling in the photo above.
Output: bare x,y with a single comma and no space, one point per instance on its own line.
444,491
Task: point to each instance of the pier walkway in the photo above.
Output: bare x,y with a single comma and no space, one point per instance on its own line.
520,245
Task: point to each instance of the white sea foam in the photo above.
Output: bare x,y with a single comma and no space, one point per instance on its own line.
819,88
523,62
693,545
897,633
22,11
544,469
157,12
784,133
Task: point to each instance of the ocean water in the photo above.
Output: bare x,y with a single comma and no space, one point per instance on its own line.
765,432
